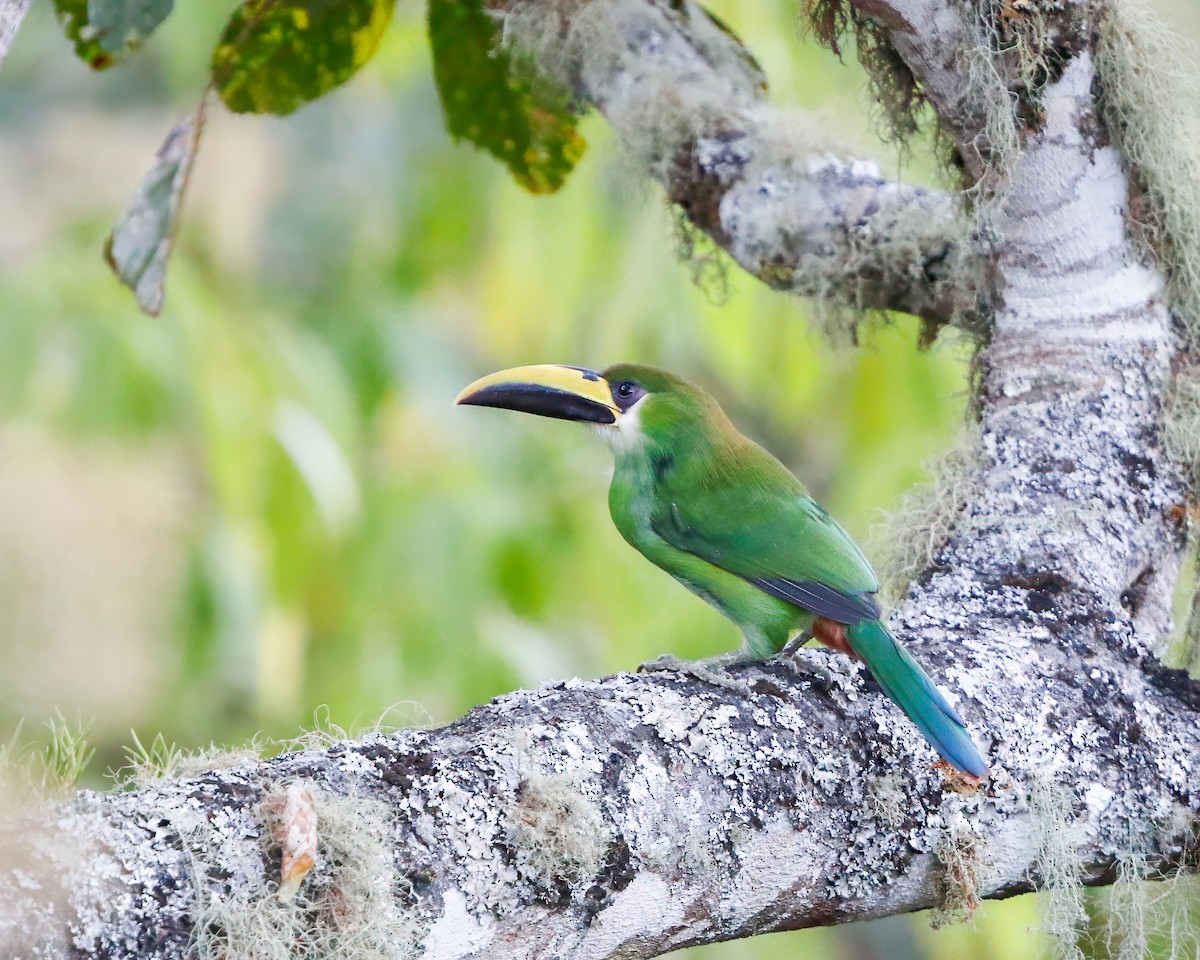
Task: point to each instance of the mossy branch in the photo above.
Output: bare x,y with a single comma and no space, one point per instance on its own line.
622,817
634,815
765,184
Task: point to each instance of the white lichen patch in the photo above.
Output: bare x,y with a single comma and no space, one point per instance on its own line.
43,871
671,834
779,849
642,910
558,833
458,932
470,827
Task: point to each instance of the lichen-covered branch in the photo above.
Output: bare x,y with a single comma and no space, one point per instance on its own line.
764,183
12,12
633,815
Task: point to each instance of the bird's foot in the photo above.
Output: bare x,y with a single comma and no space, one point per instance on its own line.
665,662
710,671
793,646
788,657
806,668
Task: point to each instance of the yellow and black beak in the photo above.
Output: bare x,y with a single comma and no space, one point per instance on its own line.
548,390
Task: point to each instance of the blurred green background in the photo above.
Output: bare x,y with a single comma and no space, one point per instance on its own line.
262,505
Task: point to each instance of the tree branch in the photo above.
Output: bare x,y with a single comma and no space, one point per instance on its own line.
937,41
765,184
638,814
626,817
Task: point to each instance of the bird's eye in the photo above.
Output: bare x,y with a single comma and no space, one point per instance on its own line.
627,392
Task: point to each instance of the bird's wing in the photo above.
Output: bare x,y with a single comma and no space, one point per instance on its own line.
764,527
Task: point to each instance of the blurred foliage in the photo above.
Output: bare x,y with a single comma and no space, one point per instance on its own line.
141,242
106,31
74,17
263,504
278,54
498,100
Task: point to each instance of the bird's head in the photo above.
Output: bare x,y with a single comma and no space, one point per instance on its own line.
630,403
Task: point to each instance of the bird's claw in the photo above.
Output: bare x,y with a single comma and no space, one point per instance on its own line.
809,669
664,662
709,671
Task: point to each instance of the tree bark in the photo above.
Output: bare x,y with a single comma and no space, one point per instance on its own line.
633,815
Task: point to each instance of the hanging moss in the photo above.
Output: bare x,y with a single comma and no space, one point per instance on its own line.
895,87
1150,97
920,522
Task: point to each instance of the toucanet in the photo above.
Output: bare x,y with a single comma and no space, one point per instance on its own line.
733,525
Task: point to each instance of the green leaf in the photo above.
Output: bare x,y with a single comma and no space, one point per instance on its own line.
140,244
276,55
105,31
499,101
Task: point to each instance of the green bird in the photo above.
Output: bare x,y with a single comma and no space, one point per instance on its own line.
733,525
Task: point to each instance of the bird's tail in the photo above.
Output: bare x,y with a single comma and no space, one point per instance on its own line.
909,686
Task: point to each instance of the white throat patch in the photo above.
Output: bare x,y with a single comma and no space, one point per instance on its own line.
626,433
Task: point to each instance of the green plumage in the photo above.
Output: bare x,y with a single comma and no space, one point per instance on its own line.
733,525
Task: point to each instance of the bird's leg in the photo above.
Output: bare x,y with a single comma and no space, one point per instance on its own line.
790,653
709,671
792,647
